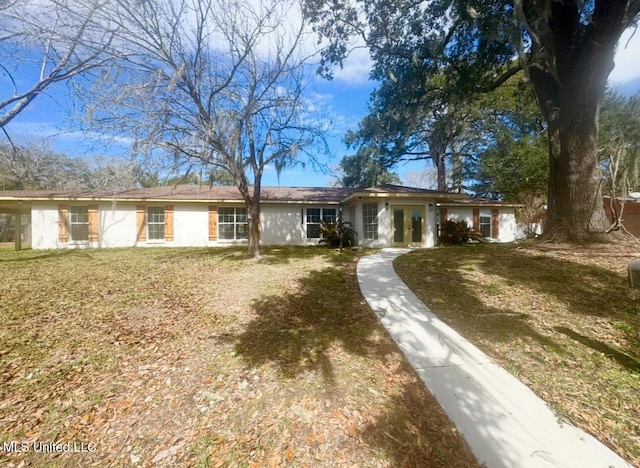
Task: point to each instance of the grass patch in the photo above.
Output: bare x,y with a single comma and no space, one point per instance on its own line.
203,357
563,320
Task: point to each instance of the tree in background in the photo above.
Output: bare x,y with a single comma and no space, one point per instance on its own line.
456,137
212,83
620,149
212,176
620,139
37,167
512,159
426,178
410,119
512,169
363,170
516,170
565,48
512,162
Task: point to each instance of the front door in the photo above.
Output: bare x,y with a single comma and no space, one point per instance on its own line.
407,224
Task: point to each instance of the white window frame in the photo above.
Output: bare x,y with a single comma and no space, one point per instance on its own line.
484,220
369,222
150,223
73,221
240,223
324,215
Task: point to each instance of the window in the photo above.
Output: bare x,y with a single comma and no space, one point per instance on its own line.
370,220
155,223
315,216
232,223
485,223
79,223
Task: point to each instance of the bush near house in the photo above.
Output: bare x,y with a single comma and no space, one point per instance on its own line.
331,234
457,232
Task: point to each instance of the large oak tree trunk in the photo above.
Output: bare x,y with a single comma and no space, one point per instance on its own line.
570,80
575,211
578,209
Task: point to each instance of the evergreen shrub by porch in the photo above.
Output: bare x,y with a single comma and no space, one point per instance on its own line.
457,232
331,234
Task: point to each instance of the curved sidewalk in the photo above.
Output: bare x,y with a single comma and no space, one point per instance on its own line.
502,420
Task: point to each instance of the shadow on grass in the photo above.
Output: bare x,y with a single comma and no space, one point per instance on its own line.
283,255
540,316
319,326
583,290
34,255
622,359
412,434
298,331
276,255
434,277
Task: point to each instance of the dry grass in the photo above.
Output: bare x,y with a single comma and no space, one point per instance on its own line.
202,357
561,319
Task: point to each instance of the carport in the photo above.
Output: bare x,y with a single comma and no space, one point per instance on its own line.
16,208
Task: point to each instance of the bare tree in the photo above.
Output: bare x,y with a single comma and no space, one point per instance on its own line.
39,167
620,151
47,42
212,82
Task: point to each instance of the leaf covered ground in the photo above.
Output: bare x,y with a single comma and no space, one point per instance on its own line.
562,319
202,357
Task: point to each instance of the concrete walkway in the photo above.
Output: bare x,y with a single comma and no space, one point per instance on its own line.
504,423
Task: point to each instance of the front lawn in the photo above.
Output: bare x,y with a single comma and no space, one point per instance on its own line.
202,357
561,319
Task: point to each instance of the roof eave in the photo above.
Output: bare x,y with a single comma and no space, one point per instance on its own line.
360,195
489,204
161,200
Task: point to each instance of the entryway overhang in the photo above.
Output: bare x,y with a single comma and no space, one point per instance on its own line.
397,192
16,208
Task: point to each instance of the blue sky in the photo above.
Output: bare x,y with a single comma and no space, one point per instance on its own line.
344,99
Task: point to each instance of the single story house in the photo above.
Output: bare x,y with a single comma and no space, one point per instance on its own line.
197,215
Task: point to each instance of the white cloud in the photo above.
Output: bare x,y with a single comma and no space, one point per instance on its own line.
356,67
318,102
627,58
321,108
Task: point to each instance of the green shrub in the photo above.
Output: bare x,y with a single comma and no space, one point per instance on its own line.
331,234
457,232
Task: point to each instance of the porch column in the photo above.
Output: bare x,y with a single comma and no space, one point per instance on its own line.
18,230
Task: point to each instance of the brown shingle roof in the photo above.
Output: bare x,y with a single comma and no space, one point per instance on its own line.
188,192
219,193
